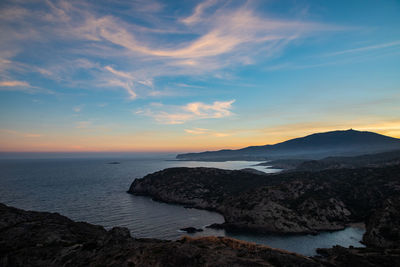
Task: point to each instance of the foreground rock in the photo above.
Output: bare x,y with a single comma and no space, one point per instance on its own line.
359,257
191,230
48,239
289,203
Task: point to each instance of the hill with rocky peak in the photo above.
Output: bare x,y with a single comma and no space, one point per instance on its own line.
314,146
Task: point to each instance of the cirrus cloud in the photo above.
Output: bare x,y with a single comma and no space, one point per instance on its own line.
208,132
20,134
22,86
213,37
191,111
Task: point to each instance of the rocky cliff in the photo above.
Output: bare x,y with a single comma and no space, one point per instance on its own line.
383,226
290,203
48,239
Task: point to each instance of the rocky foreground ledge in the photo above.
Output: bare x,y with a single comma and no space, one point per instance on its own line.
287,203
30,238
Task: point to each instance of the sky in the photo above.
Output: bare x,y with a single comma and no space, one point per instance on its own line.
148,76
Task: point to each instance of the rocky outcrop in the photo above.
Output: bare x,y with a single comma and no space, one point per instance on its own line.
200,187
359,257
48,239
191,230
290,203
383,227
274,210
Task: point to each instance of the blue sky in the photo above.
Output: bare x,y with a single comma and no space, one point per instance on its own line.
194,75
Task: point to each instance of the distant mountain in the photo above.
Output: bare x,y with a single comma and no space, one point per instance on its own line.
314,146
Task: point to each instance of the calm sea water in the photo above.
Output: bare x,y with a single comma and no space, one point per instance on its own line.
94,191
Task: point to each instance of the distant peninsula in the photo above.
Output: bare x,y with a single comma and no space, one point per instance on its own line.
315,146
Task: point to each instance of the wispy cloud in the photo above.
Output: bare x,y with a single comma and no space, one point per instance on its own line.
83,124
128,81
208,132
213,37
14,84
224,34
119,73
198,12
188,85
191,111
366,48
77,109
196,131
22,86
127,85
218,109
20,134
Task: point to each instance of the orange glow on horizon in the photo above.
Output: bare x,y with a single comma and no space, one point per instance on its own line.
172,142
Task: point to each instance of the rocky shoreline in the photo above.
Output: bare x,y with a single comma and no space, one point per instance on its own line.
304,203
286,203
298,201
295,203
29,238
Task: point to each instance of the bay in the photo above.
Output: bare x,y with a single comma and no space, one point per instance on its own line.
93,190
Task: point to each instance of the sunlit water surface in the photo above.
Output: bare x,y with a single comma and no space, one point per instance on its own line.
94,191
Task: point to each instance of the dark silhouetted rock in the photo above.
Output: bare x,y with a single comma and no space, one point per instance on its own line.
383,226
191,230
48,239
359,257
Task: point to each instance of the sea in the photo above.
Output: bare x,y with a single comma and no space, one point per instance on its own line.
95,191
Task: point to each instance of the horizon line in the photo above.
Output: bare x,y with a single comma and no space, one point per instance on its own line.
168,151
